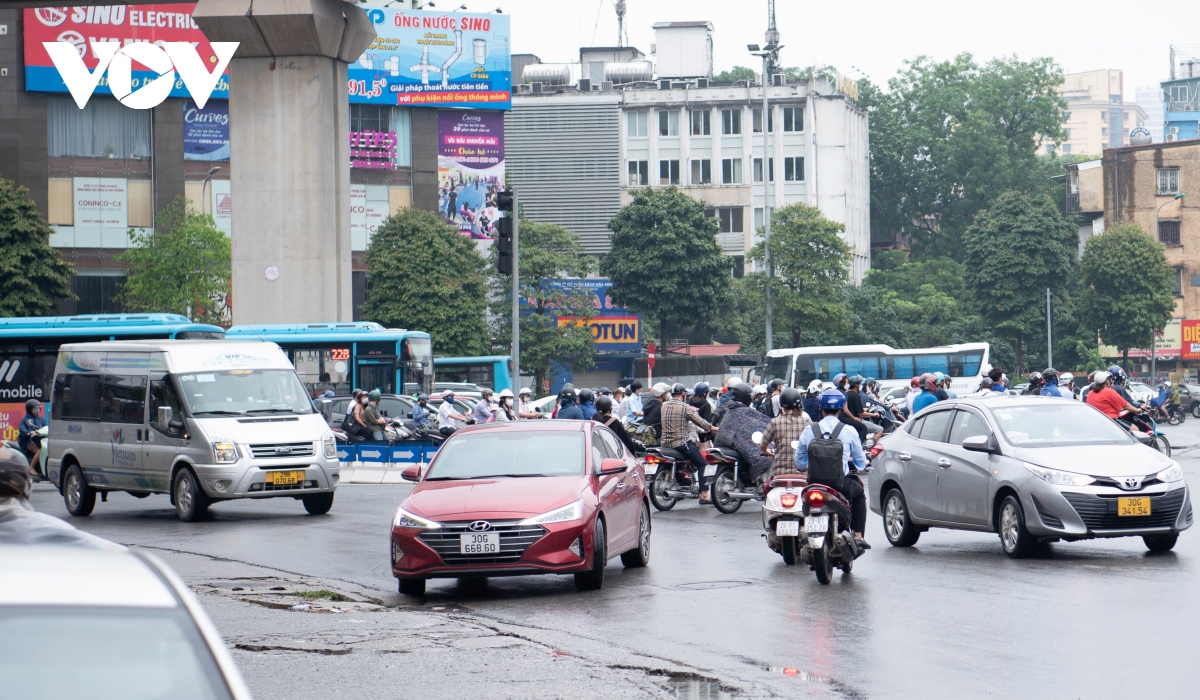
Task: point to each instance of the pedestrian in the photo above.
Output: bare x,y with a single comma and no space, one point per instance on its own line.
784,431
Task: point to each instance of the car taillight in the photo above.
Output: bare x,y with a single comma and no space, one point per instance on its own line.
816,498
787,500
875,452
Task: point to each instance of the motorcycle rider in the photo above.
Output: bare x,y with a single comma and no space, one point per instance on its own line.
996,374
524,410
784,431
832,404
1035,385
652,411
914,390
929,396
449,419
631,408
1104,398
604,414
985,388
676,434
504,411
421,414
738,426
371,417
812,401
1050,385
1119,377
587,403
758,394
770,404
568,408
855,413
20,524
27,430
482,410
699,401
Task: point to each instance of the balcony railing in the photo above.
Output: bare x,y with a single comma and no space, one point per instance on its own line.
1192,105
1072,203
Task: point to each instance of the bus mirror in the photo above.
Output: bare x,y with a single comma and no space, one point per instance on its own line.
326,408
165,416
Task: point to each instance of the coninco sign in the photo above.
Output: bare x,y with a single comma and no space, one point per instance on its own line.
173,56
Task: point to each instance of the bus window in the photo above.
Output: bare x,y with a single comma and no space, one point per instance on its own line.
965,365
324,369
777,368
416,365
931,364
827,367
863,366
199,335
477,374
902,367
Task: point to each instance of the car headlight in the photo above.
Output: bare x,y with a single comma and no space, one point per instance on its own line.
405,519
1059,478
224,451
329,445
569,512
1171,473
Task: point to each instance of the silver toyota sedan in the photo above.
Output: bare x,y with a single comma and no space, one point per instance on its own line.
1033,469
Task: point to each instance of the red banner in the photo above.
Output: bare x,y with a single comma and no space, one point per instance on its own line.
1191,340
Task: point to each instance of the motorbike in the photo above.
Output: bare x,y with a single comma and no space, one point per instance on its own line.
731,483
672,476
1147,431
1175,414
783,515
828,542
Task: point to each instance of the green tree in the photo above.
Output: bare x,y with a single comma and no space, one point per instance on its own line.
948,137
425,275
810,263
736,73
548,252
1127,285
182,266
32,275
908,279
1014,251
665,261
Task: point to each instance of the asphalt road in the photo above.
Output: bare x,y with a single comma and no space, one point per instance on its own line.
716,614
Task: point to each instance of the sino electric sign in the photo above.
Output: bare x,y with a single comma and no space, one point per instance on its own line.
140,46
435,59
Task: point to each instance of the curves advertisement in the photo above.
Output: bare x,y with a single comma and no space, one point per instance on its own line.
435,59
125,25
470,170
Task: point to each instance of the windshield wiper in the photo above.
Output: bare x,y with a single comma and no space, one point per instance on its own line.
219,413
448,478
500,476
273,410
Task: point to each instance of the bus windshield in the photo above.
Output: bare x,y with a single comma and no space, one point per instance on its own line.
243,391
777,368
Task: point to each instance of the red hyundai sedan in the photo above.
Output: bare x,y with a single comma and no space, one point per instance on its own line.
536,497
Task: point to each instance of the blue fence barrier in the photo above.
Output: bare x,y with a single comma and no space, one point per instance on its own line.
406,452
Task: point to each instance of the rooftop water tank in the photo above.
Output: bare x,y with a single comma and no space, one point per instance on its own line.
547,74
633,71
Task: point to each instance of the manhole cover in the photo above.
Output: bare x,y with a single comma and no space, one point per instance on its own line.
709,585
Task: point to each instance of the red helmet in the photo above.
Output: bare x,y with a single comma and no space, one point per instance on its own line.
914,382
929,382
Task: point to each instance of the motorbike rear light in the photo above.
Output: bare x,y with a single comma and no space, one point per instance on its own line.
653,459
815,498
788,500
708,457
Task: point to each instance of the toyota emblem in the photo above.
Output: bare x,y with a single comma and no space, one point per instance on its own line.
480,526
1132,482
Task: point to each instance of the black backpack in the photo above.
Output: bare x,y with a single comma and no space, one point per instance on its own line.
826,455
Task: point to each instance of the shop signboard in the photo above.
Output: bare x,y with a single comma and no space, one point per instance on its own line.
614,327
101,212
470,170
435,59
206,131
368,208
1191,340
123,24
1170,344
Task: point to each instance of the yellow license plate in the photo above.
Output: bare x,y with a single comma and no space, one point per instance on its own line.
288,478
1133,506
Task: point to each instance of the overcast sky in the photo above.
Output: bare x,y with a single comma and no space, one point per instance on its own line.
877,36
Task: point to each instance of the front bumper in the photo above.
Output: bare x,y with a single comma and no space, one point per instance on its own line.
537,549
247,478
1091,511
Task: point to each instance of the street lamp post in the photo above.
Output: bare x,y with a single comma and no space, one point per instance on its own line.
769,55
204,187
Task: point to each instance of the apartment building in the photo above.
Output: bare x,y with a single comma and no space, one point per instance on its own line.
1097,115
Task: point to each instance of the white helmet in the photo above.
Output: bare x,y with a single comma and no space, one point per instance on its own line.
525,390
1100,377
815,385
448,393
659,389
506,393
1065,377
758,389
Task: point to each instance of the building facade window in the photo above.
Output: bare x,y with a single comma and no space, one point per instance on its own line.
639,173
1067,134
1178,290
731,171
1168,232
756,121
702,171
1049,148
1168,181
1104,116
1066,148
103,129
758,169
635,124
1104,131
731,121
668,172
793,119
1066,116
701,124
668,122
1179,93
730,218
793,169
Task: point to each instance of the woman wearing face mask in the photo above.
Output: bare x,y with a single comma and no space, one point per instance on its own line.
504,412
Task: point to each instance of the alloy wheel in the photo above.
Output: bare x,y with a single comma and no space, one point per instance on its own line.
1009,522
183,493
73,490
893,518
644,532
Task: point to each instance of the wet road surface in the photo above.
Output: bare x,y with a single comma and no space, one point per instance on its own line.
716,614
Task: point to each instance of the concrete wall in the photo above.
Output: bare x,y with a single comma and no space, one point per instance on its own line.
169,171
23,131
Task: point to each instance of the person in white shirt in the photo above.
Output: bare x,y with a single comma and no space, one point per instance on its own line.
632,406
524,410
914,388
449,418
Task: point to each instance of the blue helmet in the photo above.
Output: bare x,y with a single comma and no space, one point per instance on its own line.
838,377
939,377
1117,372
832,399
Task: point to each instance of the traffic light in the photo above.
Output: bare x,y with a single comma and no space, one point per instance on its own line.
504,231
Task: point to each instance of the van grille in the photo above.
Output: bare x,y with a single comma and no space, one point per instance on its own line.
514,540
282,450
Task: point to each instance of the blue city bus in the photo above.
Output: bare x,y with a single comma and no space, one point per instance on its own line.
494,371
29,349
342,356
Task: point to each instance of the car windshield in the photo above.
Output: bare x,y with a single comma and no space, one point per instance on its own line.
117,653
499,453
240,391
1057,424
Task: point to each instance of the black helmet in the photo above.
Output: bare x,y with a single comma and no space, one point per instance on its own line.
791,398
604,404
678,388
1050,373
586,395
31,405
635,385
774,384
567,392
855,380
740,392
700,388
14,473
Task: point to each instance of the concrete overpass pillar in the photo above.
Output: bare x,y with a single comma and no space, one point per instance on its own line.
289,153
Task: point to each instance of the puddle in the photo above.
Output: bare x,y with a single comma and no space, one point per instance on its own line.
696,689
798,674
711,585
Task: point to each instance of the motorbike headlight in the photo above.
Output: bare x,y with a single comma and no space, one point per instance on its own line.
1057,477
405,519
329,446
224,451
1171,473
569,512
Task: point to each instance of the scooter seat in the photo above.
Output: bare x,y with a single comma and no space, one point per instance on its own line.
672,453
784,481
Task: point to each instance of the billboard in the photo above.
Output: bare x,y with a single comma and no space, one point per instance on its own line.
206,131
81,26
435,59
1171,343
1190,330
614,327
470,170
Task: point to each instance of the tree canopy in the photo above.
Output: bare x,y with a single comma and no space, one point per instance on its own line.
182,266
425,275
665,261
32,275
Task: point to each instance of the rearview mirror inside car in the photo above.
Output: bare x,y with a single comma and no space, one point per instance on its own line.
613,466
980,443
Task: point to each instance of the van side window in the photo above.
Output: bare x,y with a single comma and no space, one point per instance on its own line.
162,393
77,397
123,400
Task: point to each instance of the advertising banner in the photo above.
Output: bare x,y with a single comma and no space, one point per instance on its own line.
470,170
368,208
206,131
1168,345
221,206
435,59
101,212
373,150
614,328
1191,340
80,26
19,382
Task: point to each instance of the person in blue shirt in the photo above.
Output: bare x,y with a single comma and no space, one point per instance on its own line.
997,376
631,407
587,403
832,403
568,409
27,430
1050,385
929,396
421,413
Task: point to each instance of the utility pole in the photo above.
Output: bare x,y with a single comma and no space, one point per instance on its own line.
770,58
507,263
1049,331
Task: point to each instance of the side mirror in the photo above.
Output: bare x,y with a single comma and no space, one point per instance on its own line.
412,473
981,443
386,415
325,406
613,466
165,415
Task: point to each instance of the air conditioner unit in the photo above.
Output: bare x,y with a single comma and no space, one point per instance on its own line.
1172,137
1173,130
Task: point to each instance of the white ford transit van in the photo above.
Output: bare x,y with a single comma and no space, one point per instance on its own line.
202,420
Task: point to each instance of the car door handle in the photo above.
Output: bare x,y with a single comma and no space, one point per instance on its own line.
904,456
620,485
943,463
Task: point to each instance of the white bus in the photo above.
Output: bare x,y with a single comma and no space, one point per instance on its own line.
966,364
